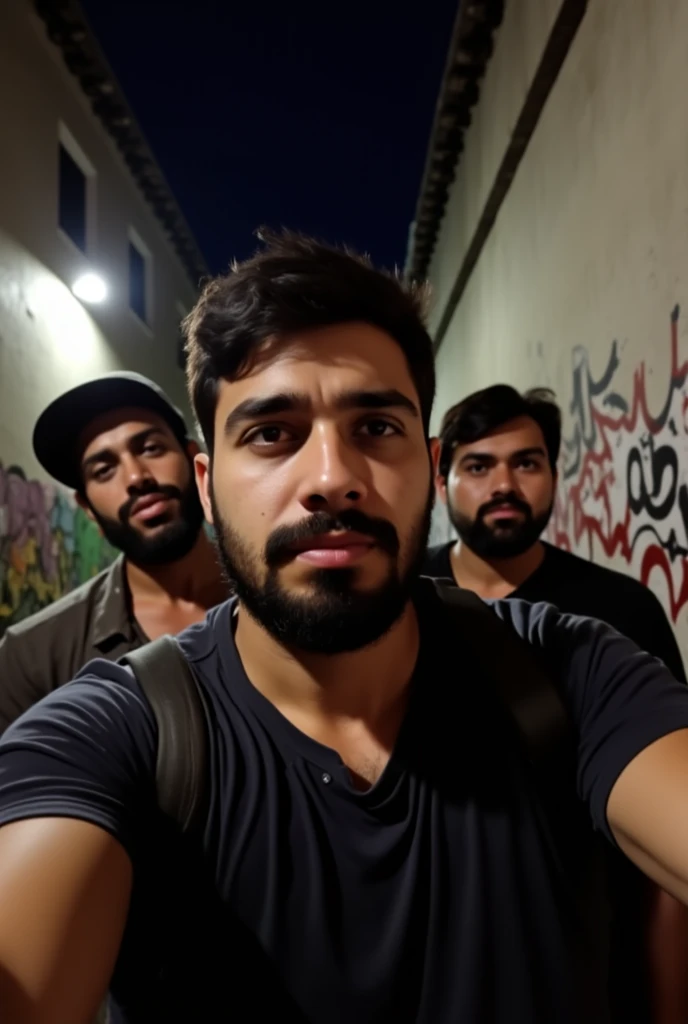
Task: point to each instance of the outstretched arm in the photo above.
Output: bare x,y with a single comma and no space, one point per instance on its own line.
77,795
648,812
64,896
631,719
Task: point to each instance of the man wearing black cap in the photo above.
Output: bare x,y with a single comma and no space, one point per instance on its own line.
123,447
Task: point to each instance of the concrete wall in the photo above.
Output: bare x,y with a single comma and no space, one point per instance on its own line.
580,283
49,341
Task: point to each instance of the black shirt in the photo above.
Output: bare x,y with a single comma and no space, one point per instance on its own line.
429,899
579,587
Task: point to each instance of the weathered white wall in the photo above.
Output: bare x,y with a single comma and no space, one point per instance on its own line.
589,249
37,92
49,341
522,36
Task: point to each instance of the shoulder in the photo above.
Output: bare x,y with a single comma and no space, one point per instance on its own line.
611,580
87,750
539,622
589,657
47,649
53,615
437,561
564,637
102,695
620,699
624,602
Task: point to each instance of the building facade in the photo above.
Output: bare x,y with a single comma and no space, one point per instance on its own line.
82,203
553,227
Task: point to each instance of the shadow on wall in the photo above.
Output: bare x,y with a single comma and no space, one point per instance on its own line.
48,545
624,474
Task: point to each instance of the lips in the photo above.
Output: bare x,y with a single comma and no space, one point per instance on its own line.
504,511
329,541
150,506
332,550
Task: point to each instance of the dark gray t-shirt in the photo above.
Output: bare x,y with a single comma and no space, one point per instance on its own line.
580,587
432,898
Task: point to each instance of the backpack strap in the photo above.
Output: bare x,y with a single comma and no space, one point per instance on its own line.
173,692
522,683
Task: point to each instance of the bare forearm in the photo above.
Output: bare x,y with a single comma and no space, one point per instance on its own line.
64,892
648,813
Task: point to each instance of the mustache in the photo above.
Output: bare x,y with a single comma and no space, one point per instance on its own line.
278,548
166,490
507,501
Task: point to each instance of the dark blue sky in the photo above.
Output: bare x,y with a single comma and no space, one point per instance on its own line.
311,115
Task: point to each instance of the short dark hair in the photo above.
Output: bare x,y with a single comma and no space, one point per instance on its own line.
482,412
292,284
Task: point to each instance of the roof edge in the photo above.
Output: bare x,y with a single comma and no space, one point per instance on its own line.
67,28
470,50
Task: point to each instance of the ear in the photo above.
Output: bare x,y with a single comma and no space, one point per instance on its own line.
83,504
192,449
202,471
440,481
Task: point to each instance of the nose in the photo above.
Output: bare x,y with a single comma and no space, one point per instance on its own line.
503,480
137,472
332,472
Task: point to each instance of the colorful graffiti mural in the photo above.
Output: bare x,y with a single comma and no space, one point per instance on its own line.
624,474
48,545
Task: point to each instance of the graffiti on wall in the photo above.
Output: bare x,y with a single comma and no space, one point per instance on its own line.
48,545
624,473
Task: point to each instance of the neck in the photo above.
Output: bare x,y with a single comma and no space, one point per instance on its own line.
360,685
494,577
196,578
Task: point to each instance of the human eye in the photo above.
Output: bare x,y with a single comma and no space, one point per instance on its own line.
267,436
101,473
379,428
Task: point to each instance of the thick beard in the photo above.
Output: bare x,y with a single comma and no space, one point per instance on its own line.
488,543
169,544
336,617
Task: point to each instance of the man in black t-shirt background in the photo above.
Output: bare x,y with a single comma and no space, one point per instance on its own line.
495,470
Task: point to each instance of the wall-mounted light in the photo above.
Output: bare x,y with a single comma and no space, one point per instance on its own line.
90,288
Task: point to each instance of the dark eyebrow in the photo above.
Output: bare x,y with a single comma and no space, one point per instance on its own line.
522,453
259,408
106,454
389,399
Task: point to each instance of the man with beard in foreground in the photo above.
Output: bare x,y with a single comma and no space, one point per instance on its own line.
122,446
496,471
372,847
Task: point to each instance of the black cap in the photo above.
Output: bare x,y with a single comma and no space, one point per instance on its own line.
59,427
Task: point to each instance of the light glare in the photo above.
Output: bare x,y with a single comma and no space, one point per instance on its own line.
90,288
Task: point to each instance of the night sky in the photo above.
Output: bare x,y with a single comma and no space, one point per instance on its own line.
315,116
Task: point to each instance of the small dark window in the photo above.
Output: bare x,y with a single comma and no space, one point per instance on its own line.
72,199
137,282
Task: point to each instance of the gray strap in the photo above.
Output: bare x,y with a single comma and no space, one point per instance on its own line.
174,695
521,681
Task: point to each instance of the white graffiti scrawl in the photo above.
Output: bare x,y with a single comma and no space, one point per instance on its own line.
624,474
